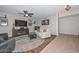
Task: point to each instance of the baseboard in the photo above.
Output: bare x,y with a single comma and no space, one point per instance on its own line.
67,34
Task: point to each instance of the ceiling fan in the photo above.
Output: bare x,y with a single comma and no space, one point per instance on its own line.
67,7
26,14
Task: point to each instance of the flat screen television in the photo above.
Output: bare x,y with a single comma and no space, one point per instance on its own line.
20,23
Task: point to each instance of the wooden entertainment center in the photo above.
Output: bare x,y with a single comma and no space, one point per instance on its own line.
20,28
19,32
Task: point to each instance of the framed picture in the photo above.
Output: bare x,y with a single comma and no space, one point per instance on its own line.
45,22
3,22
37,27
30,24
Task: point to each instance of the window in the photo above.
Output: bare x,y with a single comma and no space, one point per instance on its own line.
3,21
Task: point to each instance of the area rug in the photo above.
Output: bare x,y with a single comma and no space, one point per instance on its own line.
23,43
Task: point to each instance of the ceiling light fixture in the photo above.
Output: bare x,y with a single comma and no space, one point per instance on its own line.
67,7
26,15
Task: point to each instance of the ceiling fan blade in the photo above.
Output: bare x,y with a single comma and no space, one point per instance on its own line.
20,13
26,12
31,13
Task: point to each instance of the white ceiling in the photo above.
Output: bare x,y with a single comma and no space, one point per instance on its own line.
40,11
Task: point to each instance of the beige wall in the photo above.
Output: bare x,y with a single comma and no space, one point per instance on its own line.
31,28
53,24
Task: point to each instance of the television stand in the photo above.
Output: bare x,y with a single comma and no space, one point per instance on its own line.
19,32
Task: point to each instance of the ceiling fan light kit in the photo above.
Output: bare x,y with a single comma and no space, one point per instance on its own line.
26,15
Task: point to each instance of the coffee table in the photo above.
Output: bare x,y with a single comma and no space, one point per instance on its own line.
32,35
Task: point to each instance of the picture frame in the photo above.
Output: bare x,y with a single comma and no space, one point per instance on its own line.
45,22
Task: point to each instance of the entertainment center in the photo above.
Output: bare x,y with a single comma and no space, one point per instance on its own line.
23,30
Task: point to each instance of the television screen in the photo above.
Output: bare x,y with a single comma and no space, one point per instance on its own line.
20,23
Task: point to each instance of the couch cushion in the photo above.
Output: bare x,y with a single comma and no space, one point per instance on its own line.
44,30
3,37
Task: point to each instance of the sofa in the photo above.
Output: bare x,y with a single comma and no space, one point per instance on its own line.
43,33
6,45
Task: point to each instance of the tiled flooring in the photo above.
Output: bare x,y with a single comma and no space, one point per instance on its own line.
63,44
